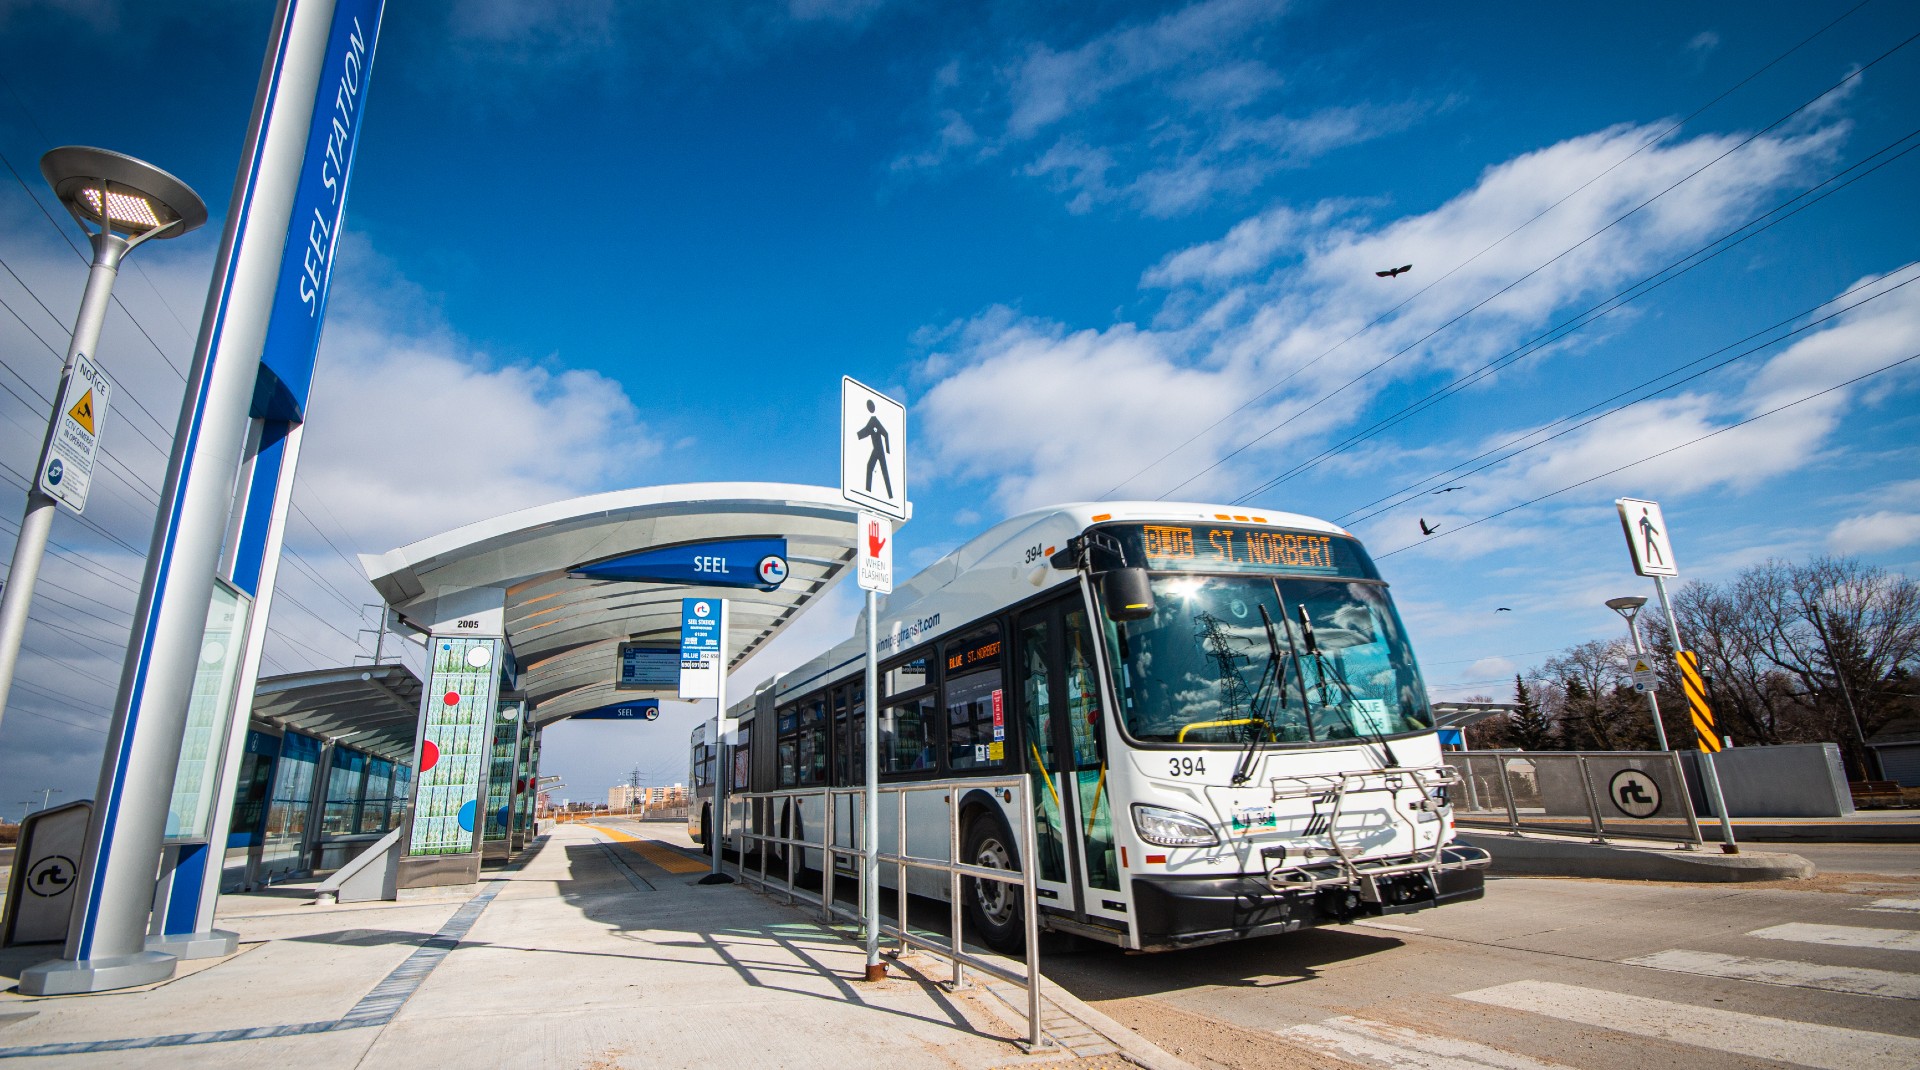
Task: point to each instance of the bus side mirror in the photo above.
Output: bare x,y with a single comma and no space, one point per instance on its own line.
1128,593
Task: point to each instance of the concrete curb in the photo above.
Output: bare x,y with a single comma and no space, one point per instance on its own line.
1540,856
1134,1046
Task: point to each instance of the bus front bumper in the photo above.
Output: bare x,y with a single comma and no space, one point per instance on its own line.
1174,912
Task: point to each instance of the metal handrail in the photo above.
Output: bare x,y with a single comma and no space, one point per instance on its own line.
761,814
1598,825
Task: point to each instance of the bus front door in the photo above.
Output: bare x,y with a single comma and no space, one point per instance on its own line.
1042,710
1073,813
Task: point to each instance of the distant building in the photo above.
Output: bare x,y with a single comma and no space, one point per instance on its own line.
626,797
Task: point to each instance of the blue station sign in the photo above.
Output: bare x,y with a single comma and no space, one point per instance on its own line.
756,563
319,205
646,709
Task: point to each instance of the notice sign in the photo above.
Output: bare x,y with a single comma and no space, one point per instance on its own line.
1647,537
703,623
875,539
66,468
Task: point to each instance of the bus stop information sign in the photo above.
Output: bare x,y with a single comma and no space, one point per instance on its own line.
702,623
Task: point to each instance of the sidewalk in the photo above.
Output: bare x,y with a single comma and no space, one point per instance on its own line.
1865,826
590,954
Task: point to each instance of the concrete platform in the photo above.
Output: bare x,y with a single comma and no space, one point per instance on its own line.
586,955
1551,856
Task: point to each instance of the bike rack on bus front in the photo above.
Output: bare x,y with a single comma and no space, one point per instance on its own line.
1343,869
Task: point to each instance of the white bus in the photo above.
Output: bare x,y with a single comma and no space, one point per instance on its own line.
1219,713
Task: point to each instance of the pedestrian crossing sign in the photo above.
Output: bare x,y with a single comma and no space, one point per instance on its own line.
1647,537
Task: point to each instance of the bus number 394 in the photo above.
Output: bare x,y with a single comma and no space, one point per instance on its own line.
1186,766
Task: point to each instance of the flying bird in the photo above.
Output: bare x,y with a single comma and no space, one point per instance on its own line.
1425,530
1391,272
1503,609
1448,490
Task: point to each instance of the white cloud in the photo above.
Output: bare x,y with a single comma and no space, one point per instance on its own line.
1289,297
415,430
1166,115
1874,532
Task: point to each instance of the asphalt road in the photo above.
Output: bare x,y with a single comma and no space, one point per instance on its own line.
1597,975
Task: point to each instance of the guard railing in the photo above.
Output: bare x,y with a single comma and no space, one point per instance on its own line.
1605,794
769,818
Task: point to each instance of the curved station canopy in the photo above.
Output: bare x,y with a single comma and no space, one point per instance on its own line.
565,621
372,706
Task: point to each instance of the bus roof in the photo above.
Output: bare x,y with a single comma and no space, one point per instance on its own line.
1000,566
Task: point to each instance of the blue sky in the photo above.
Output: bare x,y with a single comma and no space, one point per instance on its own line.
1094,245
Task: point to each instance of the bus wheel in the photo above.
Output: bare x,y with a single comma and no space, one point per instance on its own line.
993,907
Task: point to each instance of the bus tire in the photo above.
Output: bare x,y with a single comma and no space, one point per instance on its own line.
992,908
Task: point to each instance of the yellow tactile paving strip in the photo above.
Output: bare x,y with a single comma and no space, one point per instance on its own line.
654,851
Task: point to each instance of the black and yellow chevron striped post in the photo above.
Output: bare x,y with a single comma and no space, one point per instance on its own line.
1706,733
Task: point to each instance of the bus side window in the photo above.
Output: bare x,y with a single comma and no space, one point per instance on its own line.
789,746
975,702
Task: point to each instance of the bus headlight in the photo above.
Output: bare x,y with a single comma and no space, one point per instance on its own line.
1172,828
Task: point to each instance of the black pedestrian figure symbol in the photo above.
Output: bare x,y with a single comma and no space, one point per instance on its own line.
1650,540
876,431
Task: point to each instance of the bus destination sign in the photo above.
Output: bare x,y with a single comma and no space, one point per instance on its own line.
1239,548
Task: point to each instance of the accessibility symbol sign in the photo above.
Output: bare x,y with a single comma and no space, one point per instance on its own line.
1634,793
873,449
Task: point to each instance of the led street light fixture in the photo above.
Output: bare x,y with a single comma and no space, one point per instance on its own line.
139,200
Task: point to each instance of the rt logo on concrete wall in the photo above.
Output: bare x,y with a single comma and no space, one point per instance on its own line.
1634,793
51,876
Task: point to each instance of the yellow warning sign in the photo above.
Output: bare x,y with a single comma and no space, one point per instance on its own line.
1704,730
1640,665
83,413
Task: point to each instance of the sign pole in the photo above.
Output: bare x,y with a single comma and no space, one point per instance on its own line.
722,762
873,476
1709,776
870,869
1653,701
35,527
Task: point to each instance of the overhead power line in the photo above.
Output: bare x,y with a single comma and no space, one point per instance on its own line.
1726,242
1483,302
1449,273
1653,456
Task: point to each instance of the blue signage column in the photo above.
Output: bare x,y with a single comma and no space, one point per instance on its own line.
246,394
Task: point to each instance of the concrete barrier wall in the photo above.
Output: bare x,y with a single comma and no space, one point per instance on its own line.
1797,780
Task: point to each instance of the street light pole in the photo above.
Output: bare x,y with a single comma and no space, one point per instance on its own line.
1629,607
130,201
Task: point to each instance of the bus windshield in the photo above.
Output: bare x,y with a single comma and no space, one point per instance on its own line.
1242,658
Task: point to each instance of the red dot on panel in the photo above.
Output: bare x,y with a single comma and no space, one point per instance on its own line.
451,698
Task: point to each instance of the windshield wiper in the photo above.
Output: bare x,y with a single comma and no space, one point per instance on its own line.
1275,673
1351,706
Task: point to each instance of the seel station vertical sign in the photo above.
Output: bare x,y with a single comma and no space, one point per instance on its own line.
319,206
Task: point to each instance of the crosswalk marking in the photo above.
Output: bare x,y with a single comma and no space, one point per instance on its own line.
1382,1045
1859,982
1894,906
1804,1043
1843,936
